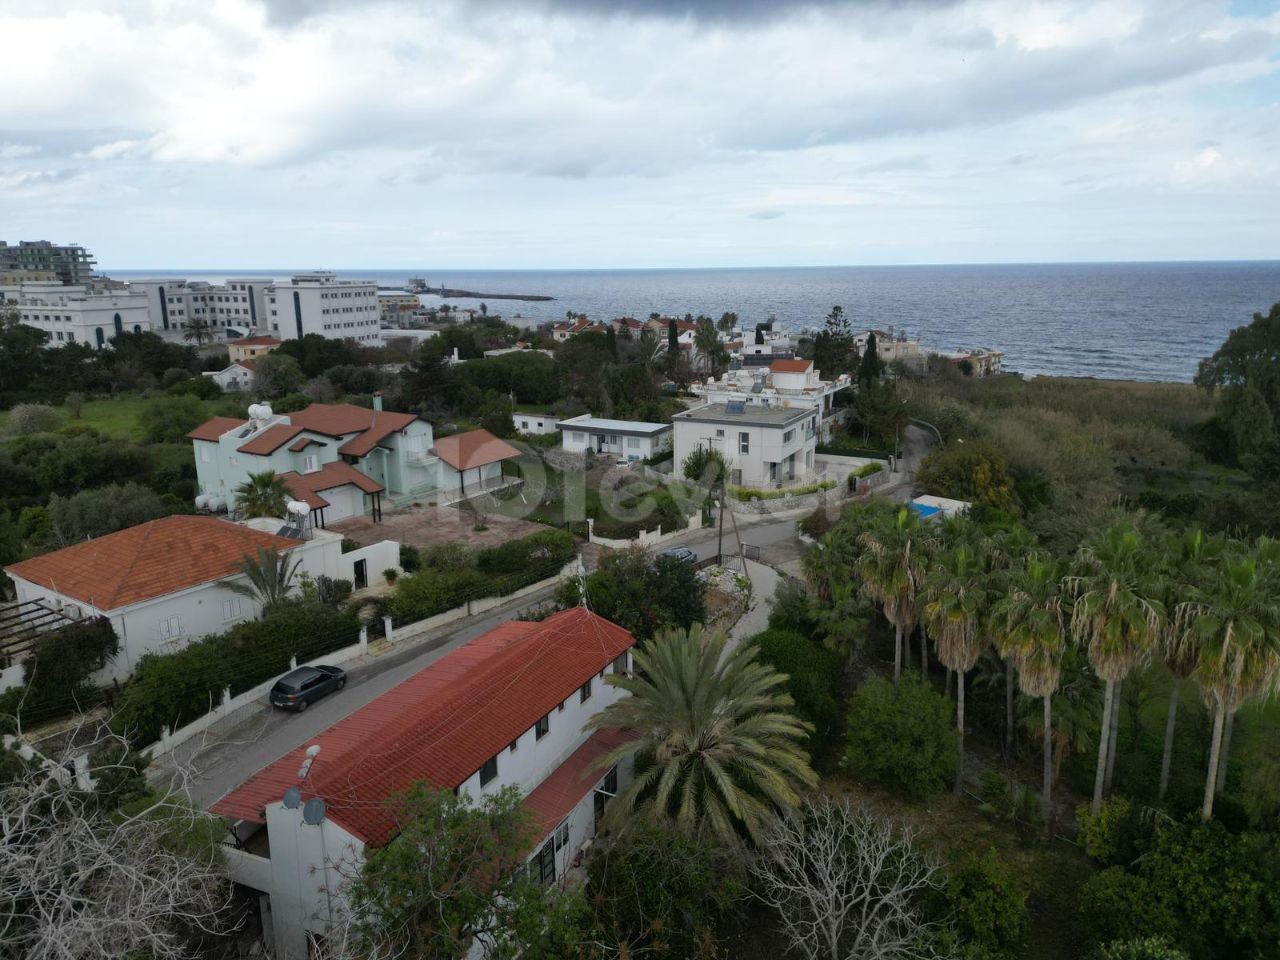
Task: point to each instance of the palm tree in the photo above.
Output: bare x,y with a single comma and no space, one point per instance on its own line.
718,748
1031,621
706,340
198,331
1116,617
1236,630
953,613
892,567
262,495
270,575
1189,558
1009,548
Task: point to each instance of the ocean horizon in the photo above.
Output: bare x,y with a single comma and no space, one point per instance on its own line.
1115,320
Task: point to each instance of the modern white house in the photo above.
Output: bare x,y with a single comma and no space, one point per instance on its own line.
784,383
320,303
82,313
509,708
625,439
237,376
538,424
163,583
761,446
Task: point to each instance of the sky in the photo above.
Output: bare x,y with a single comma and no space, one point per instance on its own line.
640,133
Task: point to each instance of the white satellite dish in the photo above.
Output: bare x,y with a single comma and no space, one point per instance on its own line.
313,751
313,812
292,797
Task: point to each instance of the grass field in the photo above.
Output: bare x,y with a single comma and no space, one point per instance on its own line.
119,417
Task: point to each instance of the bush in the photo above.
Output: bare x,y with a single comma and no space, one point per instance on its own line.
813,676
1112,836
530,558
988,906
1116,904
974,472
56,674
753,493
201,387
1144,948
430,591
704,465
904,738
409,559
816,524
171,419
868,470
28,418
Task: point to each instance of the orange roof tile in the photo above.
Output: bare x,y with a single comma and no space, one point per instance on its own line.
340,419
303,442
307,486
441,724
553,799
255,342
383,424
475,448
147,561
791,366
271,439
215,428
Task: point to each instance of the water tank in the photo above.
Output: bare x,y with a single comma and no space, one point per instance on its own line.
259,411
297,508
202,501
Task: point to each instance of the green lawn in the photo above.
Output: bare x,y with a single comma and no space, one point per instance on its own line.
118,417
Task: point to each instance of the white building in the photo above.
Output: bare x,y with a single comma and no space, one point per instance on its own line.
509,708
320,303
234,308
163,583
537,424
85,313
784,383
628,439
237,376
761,446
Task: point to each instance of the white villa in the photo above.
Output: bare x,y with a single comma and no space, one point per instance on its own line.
163,583
625,439
784,383
538,424
508,708
762,446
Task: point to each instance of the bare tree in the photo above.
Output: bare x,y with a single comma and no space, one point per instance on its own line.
847,883
82,878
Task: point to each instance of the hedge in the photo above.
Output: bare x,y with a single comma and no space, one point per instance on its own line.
870,470
175,688
752,493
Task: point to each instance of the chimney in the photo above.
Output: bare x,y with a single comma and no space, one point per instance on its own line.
377,402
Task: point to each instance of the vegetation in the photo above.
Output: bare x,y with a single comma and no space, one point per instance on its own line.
901,737
271,577
643,593
262,495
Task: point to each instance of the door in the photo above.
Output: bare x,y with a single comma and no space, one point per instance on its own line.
360,571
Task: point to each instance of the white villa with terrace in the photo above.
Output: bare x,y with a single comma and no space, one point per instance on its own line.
624,439
509,708
762,446
783,383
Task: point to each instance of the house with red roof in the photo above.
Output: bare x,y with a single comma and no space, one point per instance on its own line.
507,709
343,460
784,382
164,583
237,376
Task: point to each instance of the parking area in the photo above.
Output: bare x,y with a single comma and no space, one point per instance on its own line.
422,526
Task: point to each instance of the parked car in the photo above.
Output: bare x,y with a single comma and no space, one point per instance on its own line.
683,554
300,688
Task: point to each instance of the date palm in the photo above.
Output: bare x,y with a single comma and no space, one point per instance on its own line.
718,749
262,495
892,567
270,574
198,331
1031,625
955,607
1236,632
1116,616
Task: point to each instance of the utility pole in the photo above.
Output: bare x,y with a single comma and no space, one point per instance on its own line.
720,536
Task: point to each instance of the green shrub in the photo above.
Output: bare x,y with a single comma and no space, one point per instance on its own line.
1143,948
868,470
988,906
754,493
1116,904
430,591
813,676
410,561
531,555
816,524
902,738
1111,837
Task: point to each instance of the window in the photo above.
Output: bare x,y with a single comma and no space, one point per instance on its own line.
542,727
170,629
544,864
584,692
488,771
562,836
789,436
744,443
205,454
310,463
560,709
231,609
610,784
578,436
620,665
515,745
633,443
719,434
524,425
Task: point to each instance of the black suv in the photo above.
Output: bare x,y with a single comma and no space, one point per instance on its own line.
300,688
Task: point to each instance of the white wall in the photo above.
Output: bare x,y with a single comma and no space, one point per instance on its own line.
765,445
535,423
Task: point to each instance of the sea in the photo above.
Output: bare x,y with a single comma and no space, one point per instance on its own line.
1131,321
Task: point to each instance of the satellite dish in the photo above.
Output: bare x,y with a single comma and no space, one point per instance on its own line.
313,812
313,751
292,797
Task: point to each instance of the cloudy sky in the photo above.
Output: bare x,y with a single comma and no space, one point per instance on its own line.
584,133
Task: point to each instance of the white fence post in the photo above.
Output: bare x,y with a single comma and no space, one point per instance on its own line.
364,640
293,662
164,740
386,628
226,700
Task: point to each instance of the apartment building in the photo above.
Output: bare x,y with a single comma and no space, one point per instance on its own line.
509,708
39,259
320,303
761,446
232,309
89,313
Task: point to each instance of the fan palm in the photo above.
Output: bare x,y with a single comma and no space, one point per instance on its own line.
1031,624
262,495
717,747
270,574
1008,549
954,610
892,567
1116,615
1236,632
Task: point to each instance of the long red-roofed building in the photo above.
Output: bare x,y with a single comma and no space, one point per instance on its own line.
509,708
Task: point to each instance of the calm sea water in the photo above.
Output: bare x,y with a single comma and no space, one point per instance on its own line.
1144,321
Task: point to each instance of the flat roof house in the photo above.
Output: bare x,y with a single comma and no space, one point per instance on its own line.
164,583
783,383
509,708
629,439
762,446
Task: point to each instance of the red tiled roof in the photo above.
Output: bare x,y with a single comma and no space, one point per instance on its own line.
307,486
147,561
475,448
340,419
215,428
552,800
271,439
441,724
303,442
256,342
384,424
250,365
791,366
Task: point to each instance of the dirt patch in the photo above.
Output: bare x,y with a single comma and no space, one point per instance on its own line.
423,526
